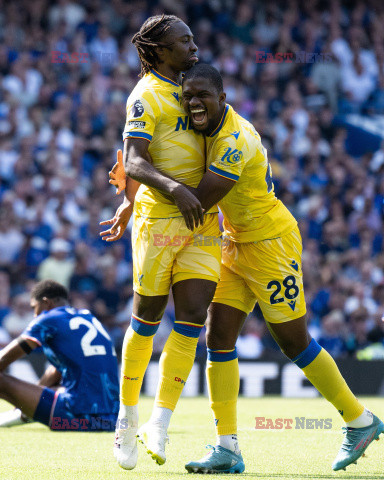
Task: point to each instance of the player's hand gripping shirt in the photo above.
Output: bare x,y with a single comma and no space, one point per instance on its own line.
251,210
154,113
76,343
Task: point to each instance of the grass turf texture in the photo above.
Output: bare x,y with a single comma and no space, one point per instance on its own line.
34,452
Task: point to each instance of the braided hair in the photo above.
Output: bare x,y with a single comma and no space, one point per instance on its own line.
149,36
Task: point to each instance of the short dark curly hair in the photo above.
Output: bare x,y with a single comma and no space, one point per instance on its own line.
51,290
202,70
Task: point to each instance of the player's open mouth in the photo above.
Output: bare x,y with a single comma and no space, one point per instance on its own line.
199,116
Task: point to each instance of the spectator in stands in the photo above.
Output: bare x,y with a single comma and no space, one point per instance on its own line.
334,330
20,315
57,266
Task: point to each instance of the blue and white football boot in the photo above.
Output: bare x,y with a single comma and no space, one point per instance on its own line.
218,460
355,443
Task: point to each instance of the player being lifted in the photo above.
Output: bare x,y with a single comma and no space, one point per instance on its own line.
80,389
261,261
157,130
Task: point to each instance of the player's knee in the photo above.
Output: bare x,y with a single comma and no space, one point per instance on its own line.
196,314
151,309
219,339
293,348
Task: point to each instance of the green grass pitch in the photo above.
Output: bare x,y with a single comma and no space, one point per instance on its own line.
34,452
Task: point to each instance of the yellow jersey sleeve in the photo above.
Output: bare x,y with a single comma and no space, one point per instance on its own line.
142,116
251,210
228,159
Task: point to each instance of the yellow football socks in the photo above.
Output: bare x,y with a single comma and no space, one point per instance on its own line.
176,362
322,371
136,353
223,388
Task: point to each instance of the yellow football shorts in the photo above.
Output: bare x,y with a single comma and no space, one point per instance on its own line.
166,252
268,272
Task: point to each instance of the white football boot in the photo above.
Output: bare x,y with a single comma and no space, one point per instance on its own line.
13,417
125,447
154,437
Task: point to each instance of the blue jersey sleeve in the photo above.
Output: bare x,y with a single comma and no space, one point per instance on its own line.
40,329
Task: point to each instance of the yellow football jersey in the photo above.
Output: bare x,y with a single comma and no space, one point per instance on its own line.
154,112
251,210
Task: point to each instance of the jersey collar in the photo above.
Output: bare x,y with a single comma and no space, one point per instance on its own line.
219,127
163,78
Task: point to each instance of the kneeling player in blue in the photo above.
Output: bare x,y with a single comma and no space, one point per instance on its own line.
80,390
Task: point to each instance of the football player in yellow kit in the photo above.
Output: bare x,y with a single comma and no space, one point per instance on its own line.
261,261
162,152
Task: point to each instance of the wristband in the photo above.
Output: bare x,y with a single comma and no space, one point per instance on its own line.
24,345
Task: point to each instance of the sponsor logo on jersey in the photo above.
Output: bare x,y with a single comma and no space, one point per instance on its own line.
136,124
137,109
183,123
176,95
231,156
235,134
130,378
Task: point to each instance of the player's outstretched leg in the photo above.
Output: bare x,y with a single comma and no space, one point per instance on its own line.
136,353
321,370
356,441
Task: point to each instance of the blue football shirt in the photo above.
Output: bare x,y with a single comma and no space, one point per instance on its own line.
76,343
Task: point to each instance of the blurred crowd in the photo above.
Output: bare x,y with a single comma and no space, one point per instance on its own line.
66,70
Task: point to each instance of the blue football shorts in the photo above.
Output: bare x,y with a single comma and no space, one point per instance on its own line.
55,410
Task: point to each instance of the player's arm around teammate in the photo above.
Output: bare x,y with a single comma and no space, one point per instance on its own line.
137,166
